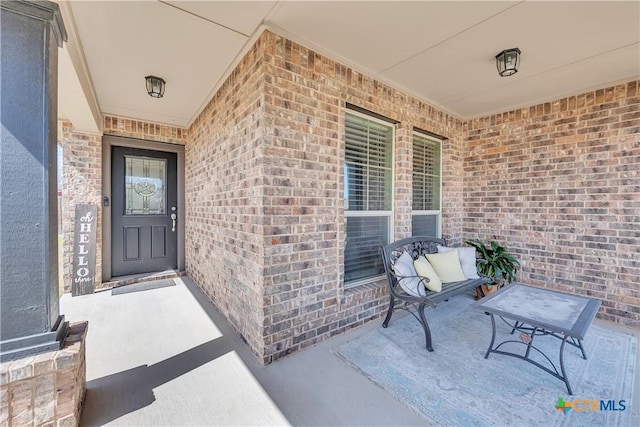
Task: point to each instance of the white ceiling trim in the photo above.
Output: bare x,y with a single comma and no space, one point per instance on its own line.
489,18
251,40
303,41
414,68
236,61
566,72
204,18
73,106
122,45
76,54
556,70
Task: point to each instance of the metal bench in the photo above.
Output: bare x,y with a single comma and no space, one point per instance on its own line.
399,299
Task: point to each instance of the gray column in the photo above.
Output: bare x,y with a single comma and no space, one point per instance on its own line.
30,320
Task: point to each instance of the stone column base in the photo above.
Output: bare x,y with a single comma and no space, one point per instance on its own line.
46,389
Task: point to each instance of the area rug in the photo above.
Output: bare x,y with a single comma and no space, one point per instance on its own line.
455,385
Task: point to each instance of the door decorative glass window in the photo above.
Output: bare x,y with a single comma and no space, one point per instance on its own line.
145,186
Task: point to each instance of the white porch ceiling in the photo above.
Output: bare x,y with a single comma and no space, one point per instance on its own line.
441,52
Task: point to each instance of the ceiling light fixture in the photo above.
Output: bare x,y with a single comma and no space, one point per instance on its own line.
155,86
508,62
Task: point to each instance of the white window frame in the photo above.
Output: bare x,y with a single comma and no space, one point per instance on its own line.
353,214
437,212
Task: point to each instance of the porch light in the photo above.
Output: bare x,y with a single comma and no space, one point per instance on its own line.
508,62
155,86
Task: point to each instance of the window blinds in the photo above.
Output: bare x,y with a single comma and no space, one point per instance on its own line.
368,195
362,258
426,174
425,225
367,164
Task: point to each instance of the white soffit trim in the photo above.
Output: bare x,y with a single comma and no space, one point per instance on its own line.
90,120
72,103
310,45
251,40
317,48
236,61
354,66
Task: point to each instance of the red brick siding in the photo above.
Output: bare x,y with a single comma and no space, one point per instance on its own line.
224,199
305,105
559,184
265,220
131,128
46,389
81,183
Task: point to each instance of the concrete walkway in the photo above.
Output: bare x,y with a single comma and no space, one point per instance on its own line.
165,356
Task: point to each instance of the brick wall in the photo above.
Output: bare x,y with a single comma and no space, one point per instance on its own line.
131,128
224,184
559,184
46,389
305,105
81,183
265,220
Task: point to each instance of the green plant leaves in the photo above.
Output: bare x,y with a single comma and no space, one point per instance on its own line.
493,260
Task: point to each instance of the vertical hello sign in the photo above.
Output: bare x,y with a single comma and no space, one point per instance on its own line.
84,250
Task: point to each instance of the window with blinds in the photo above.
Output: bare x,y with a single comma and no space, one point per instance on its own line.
367,194
427,185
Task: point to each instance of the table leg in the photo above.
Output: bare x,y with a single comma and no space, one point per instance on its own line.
564,373
493,335
584,354
516,326
530,343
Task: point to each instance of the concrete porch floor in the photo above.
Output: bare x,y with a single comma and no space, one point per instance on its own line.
166,357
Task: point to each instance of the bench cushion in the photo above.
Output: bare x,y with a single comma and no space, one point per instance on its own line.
424,269
447,266
467,256
408,277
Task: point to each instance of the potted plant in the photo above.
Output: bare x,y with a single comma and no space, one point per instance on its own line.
495,262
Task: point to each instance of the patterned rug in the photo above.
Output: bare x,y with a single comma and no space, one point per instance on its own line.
455,385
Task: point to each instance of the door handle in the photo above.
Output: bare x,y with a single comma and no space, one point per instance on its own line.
173,220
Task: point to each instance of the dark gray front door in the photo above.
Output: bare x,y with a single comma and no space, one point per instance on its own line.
144,211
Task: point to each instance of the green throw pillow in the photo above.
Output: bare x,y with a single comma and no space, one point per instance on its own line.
424,269
447,266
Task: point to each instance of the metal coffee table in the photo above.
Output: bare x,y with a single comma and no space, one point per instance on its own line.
536,311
